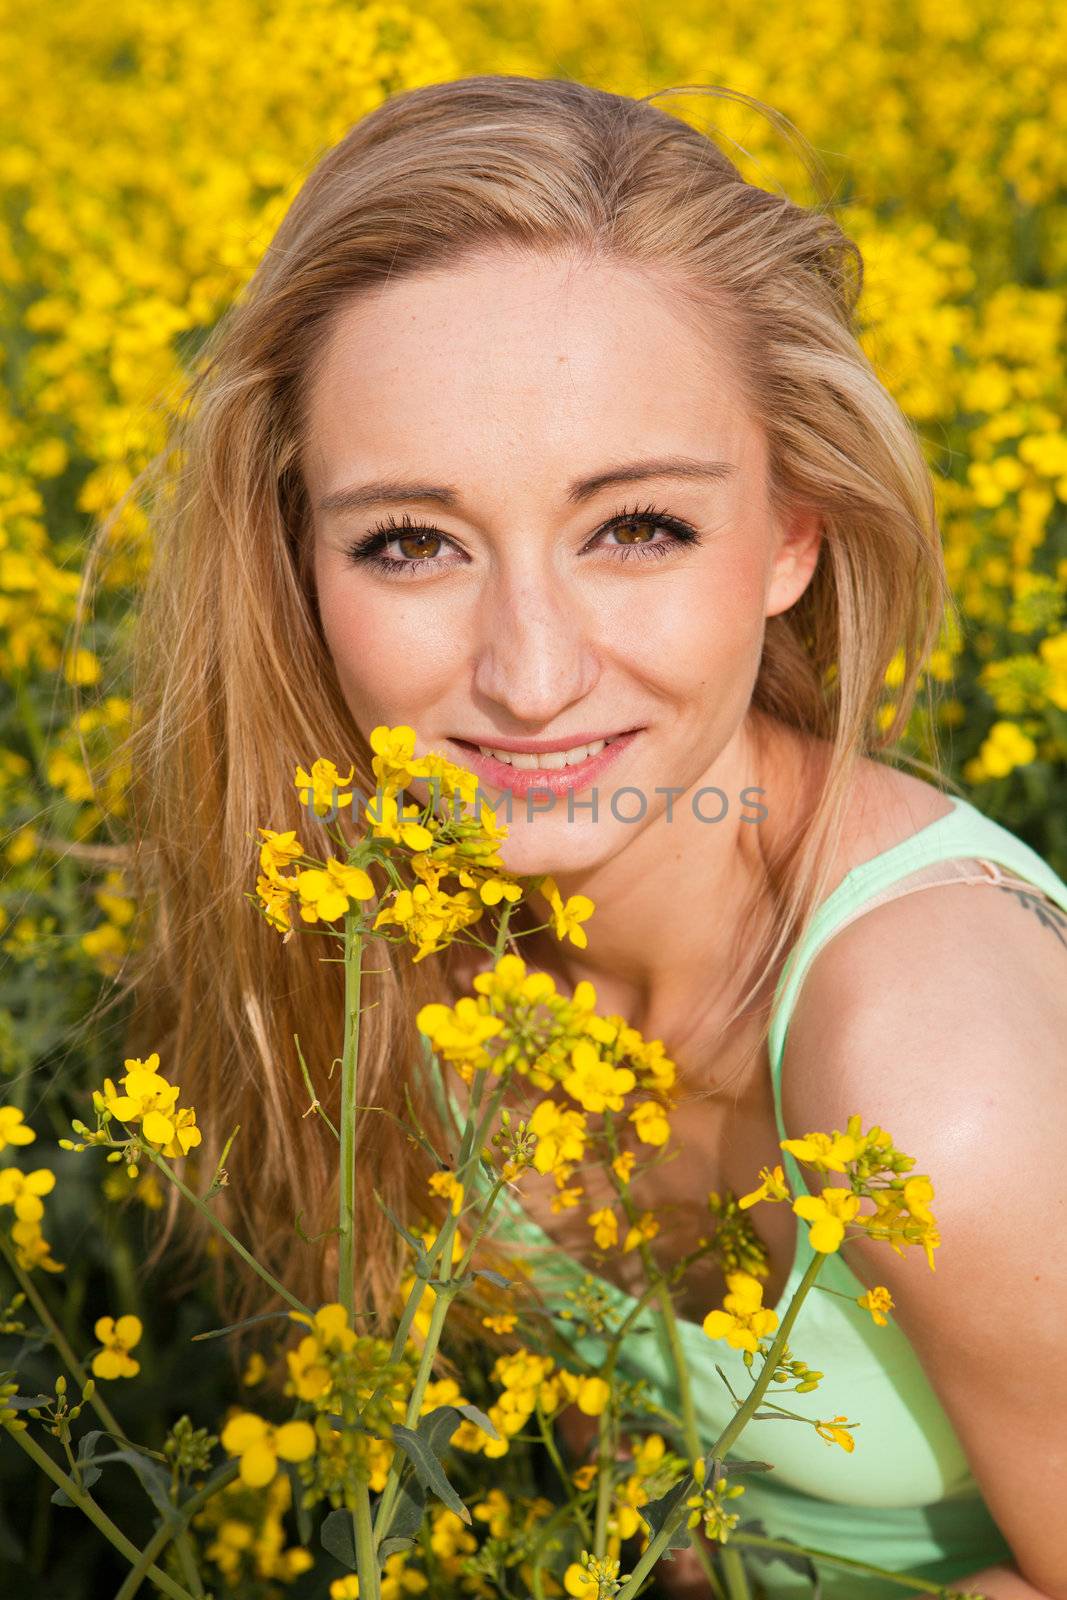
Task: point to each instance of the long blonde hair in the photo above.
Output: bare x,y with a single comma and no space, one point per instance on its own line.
232,684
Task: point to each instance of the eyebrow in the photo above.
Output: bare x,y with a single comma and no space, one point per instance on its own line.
395,491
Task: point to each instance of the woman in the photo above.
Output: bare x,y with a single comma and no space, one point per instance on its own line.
541,431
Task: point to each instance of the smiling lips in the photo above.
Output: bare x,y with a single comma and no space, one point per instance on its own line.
529,764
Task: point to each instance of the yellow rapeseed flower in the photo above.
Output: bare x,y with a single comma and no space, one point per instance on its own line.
877,1301
387,821
605,1226
567,918
646,1227
593,1395
772,1187
743,1319
321,783
560,1135
325,895
148,1099
13,1130
826,1152
836,1435
828,1215
258,1445
23,1191
595,1083
394,750
118,1339
449,1186
32,1248
650,1121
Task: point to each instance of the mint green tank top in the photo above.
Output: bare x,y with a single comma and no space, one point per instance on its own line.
905,1498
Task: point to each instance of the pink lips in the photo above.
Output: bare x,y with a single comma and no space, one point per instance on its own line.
498,775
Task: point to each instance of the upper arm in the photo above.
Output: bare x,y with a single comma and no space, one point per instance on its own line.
947,1025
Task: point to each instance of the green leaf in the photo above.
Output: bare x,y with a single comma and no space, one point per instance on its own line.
220,1333
89,1470
657,1511
424,1445
799,1563
303,1516
473,1414
337,1539
311,1238
408,1515
494,1277
413,1240
154,1480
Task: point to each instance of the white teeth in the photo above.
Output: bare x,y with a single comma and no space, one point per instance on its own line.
552,761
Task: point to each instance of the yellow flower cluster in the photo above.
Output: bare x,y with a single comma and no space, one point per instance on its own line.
434,847
517,1021
527,1379
902,1212
247,1528
149,1102
322,893
23,1192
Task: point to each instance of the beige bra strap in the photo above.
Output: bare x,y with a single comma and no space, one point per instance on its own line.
967,870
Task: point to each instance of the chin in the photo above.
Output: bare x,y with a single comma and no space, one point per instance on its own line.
529,852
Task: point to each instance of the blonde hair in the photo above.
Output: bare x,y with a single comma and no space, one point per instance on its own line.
231,681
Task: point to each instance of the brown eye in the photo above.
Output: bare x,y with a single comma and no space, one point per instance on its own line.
630,531
420,542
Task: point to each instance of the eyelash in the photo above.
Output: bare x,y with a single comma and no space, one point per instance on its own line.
365,551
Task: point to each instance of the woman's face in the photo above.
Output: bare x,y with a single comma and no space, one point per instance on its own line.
506,558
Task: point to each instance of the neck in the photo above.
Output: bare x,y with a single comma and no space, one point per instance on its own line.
677,909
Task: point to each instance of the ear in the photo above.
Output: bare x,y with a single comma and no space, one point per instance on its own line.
799,543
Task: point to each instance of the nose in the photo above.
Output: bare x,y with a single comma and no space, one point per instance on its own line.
536,653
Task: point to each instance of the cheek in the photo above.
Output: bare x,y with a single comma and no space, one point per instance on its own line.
707,628
390,653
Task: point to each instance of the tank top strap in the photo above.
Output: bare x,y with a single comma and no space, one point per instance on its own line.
962,833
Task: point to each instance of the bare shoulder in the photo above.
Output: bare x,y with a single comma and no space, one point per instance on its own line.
974,976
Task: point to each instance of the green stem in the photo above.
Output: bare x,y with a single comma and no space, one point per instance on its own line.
221,1228
443,1299
346,1288
660,1289
366,1549
733,1570
169,1530
470,1151
58,1338
316,1104
770,1363
86,1504
548,1438
605,1461
758,1542
540,1544
730,1432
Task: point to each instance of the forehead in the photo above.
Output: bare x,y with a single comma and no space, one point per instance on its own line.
518,355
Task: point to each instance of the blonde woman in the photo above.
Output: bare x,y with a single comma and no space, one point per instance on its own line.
541,431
